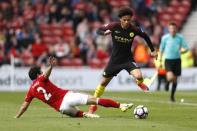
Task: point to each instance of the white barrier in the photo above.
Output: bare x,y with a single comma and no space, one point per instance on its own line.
87,79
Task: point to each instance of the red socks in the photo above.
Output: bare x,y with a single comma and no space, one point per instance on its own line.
79,114
143,86
108,103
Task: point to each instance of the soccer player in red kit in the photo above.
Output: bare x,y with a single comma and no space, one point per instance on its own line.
121,58
63,101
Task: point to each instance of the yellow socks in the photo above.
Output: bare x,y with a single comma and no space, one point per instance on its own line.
139,81
99,91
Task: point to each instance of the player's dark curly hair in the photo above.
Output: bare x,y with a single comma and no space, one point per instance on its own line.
34,71
173,23
125,11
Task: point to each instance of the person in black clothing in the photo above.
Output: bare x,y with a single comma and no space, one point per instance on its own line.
122,34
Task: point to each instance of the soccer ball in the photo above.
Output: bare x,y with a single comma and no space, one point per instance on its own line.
141,112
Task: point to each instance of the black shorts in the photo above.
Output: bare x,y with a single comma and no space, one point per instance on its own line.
174,66
113,69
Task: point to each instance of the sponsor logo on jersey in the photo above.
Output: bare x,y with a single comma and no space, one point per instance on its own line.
131,34
122,39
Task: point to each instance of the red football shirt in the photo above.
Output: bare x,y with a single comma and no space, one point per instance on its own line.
46,91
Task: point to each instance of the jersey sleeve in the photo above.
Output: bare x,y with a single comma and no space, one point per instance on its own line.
106,27
184,43
29,96
142,34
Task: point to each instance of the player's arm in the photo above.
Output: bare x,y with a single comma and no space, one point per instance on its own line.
106,29
148,41
22,109
161,49
184,47
52,62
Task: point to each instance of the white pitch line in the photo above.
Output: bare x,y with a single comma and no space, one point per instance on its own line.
155,101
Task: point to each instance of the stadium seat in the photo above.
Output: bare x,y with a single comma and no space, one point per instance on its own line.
65,62
77,62
178,18
95,63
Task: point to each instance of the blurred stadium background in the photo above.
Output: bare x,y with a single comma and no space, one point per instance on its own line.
32,30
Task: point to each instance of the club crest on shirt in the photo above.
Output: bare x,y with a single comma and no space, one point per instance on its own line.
131,34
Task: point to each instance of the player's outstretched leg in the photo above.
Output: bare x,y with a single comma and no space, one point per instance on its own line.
109,103
105,103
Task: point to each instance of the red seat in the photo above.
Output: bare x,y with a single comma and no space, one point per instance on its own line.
76,62
65,62
174,3
114,3
46,32
58,32
178,18
95,63
124,3
170,10
165,16
44,26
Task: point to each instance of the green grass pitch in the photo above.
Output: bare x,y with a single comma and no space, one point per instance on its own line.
163,115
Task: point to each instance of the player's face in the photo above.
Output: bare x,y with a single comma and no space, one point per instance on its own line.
172,30
125,21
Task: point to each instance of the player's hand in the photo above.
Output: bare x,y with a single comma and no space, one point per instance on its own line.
52,61
154,54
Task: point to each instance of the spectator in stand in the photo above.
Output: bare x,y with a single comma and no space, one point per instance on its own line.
23,18
2,56
38,47
39,50
65,14
62,49
12,51
83,34
24,39
74,49
103,44
27,57
53,13
2,38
